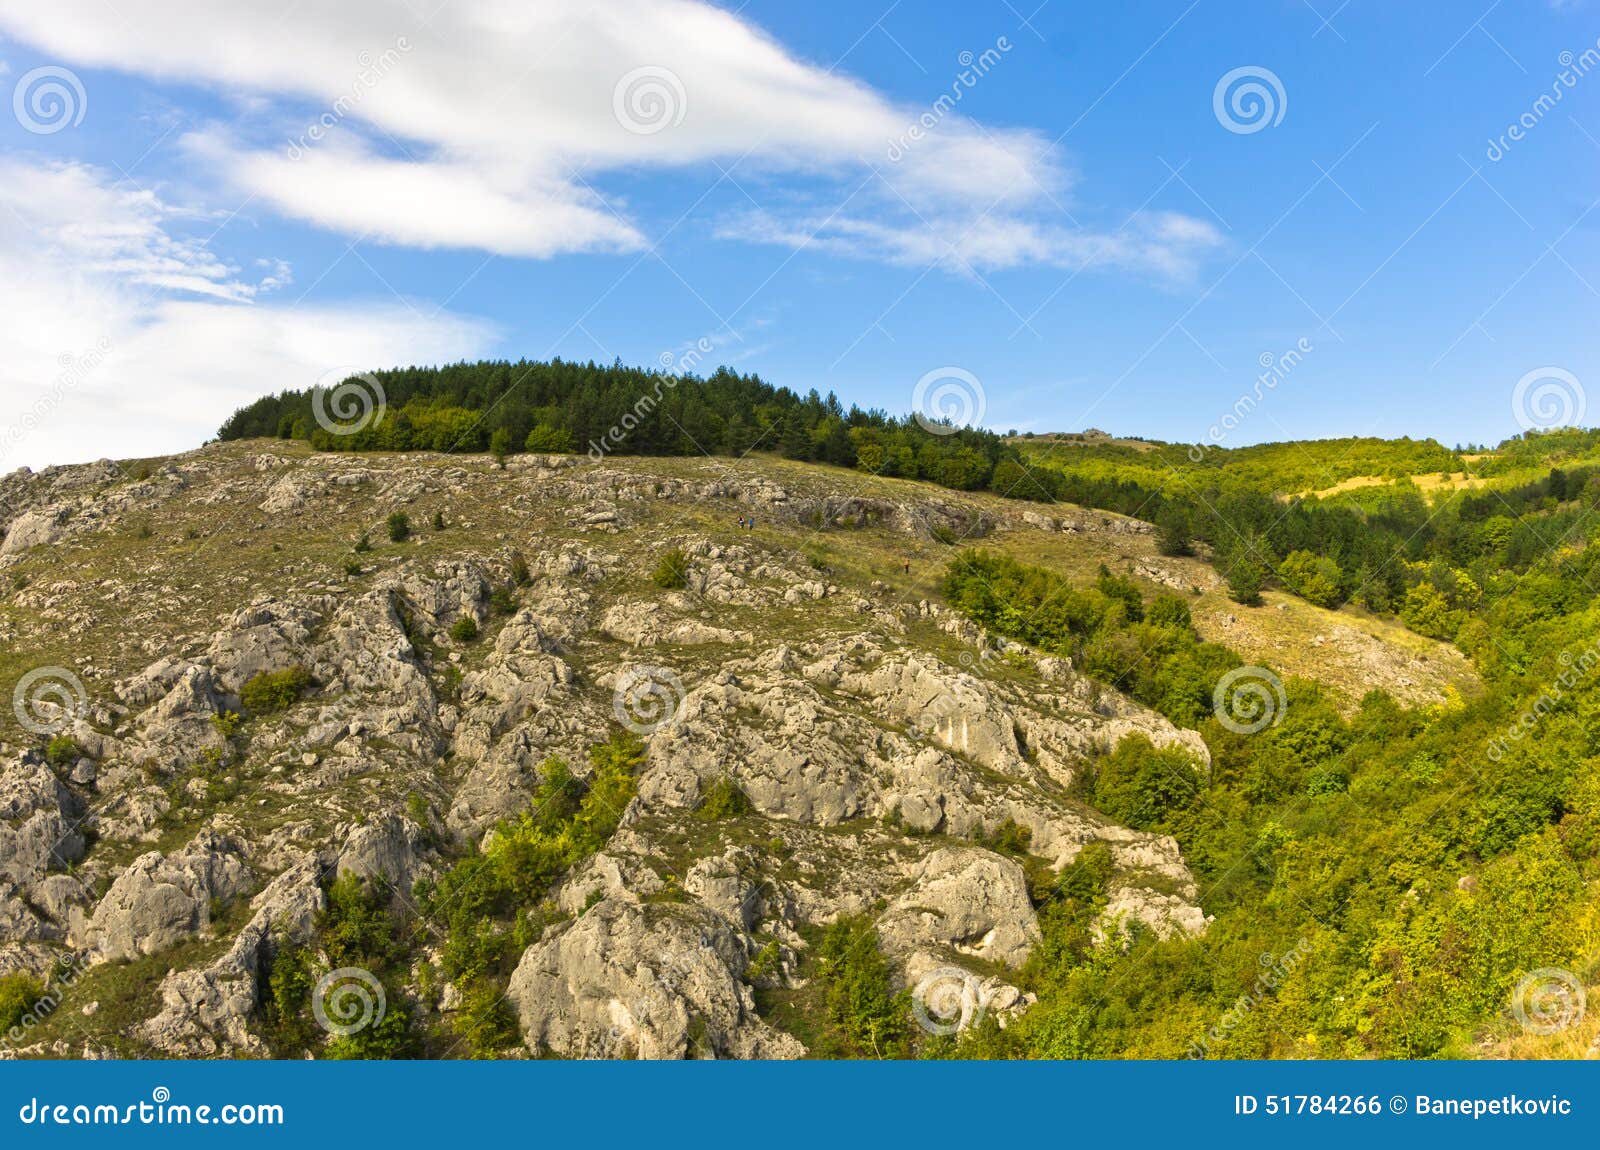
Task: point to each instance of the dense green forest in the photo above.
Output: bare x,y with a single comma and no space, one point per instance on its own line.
1379,882
506,408
1437,562
1433,559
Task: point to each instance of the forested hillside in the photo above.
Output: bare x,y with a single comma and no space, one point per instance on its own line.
1437,557
1382,885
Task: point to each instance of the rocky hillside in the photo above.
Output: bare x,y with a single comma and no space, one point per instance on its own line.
232,688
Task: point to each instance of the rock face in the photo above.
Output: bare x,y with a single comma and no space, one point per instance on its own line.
33,530
972,901
207,1012
653,981
861,740
41,828
161,900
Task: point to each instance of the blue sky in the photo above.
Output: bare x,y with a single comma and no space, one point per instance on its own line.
1082,232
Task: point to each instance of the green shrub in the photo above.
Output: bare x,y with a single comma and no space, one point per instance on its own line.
1246,577
19,993
464,629
520,575
352,568
363,544
389,1038
723,799
273,691
399,525
500,445
1009,838
1142,786
356,929
484,1020
1312,577
547,440
438,520
1170,611
284,1006
61,750
567,822
870,1019
503,601
672,571
1121,589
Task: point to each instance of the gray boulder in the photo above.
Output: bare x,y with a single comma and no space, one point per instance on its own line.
161,900
971,900
651,981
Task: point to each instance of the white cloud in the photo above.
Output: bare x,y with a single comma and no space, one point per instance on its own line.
123,336
343,186
488,125
1149,242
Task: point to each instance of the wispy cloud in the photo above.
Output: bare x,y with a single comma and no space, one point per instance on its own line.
93,271
493,125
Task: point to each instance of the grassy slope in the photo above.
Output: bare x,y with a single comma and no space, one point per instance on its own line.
111,602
